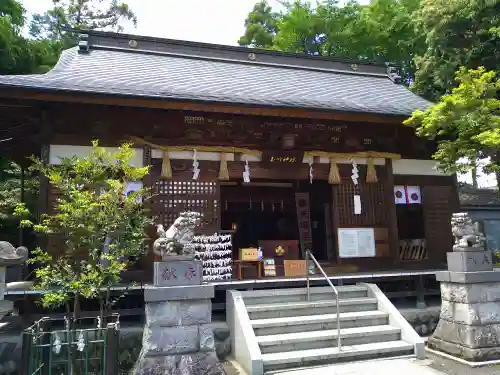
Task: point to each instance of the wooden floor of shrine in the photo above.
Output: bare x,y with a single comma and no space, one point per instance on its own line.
279,282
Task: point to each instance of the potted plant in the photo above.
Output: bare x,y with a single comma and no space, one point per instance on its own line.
102,223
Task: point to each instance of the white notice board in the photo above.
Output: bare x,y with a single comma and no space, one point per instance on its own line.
356,242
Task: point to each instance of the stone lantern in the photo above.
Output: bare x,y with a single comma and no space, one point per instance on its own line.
9,256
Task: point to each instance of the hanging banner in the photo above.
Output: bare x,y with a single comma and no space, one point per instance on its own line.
302,205
399,194
407,195
413,195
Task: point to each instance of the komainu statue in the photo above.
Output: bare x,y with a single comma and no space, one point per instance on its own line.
467,235
9,255
177,240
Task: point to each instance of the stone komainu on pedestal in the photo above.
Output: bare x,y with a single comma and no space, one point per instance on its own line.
178,337
469,324
177,240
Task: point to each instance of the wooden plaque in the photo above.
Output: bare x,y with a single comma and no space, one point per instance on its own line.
249,254
295,267
283,157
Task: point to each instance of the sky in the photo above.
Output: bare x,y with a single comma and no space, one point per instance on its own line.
208,21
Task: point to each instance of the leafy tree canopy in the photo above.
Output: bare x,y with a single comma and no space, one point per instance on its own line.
466,122
19,55
457,33
382,31
80,14
102,224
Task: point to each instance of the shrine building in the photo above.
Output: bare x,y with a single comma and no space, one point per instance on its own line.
294,152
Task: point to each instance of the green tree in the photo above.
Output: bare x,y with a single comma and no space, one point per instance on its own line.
260,26
80,14
382,31
19,55
99,222
466,123
458,33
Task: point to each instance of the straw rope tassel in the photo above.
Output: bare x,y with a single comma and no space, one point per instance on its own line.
166,169
334,175
223,172
371,173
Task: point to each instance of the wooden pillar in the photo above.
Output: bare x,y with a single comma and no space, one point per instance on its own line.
44,189
392,220
146,262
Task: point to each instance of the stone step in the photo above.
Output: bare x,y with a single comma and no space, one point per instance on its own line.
303,358
277,310
288,342
270,296
295,324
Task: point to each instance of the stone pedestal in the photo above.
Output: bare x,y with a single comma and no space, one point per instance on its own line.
469,323
178,337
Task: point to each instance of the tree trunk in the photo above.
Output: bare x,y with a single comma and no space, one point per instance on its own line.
474,173
496,160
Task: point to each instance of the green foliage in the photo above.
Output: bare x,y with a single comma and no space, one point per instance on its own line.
80,14
104,229
260,26
382,31
466,122
458,33
18,54
10,188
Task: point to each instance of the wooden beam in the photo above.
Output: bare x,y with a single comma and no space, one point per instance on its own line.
89,98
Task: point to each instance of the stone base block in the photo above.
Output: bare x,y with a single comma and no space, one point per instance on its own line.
471,261
178,272
178,293
474,337
461,351
475,314
472,293
188,364
179,313
468,277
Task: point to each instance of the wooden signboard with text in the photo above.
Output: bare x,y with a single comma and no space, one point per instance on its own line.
285,157
295,268
249,254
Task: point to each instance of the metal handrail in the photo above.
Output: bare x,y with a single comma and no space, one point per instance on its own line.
309,255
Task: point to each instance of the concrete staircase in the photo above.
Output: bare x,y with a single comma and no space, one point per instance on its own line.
289,332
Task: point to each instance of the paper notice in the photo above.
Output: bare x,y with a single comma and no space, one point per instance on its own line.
357,205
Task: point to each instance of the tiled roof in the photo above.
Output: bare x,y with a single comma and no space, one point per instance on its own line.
478,197
162,74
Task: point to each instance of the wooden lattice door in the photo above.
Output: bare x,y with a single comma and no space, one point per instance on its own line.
373,211
173,197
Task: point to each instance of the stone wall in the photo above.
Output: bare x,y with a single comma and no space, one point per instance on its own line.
424,321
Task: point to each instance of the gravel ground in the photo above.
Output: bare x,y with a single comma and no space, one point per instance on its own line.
443,365
230,368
